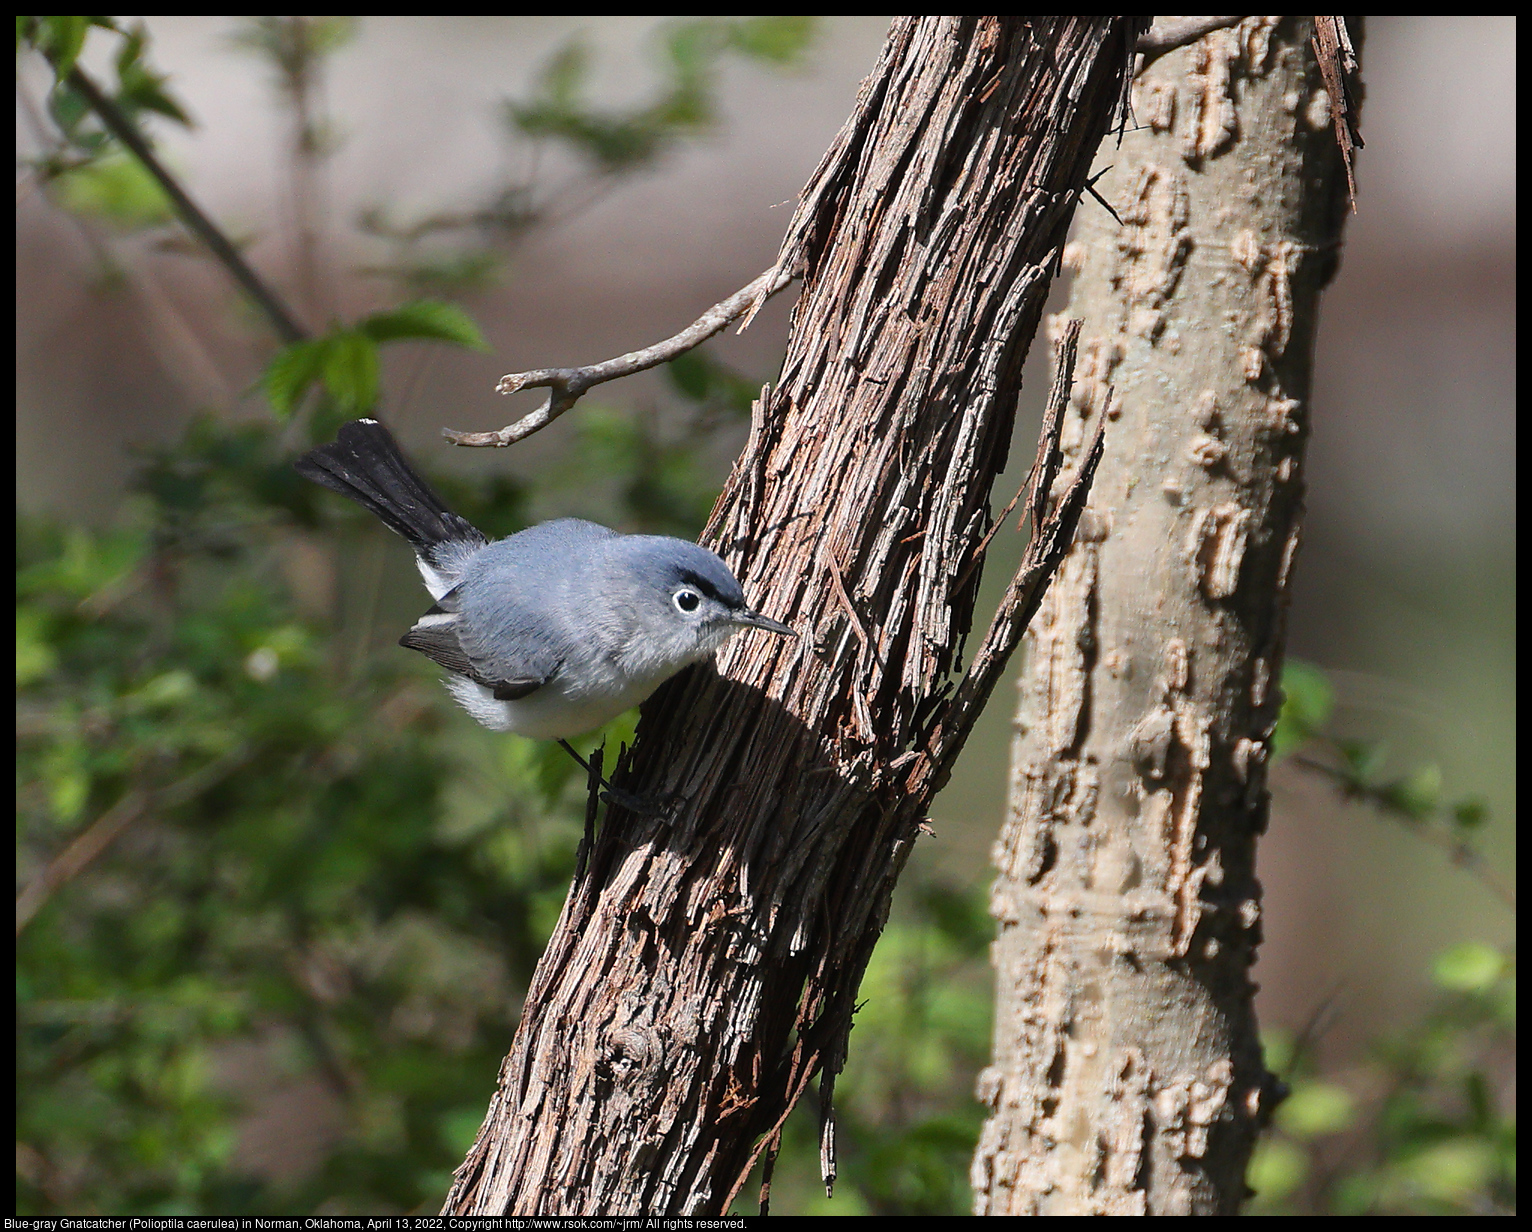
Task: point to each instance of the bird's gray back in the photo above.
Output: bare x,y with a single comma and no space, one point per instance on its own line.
524,597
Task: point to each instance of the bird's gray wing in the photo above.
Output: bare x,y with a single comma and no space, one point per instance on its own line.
437,636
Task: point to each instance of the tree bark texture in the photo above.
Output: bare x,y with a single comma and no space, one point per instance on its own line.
705,967
1127,1076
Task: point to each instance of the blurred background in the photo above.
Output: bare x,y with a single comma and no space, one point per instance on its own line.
281,900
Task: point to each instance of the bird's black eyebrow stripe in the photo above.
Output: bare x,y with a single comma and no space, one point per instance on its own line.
705,586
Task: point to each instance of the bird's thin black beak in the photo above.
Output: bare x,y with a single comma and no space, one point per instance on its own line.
756,621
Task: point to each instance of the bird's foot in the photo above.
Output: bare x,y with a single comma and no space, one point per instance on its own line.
644,806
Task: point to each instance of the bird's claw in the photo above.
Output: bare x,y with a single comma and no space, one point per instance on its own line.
645,806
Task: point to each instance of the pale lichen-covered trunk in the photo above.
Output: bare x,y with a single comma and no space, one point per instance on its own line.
706,964
1127,1077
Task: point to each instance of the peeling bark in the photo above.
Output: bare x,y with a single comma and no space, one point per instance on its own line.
705,968
1127,1076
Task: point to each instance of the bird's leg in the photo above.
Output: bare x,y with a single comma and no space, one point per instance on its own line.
615,795
593,781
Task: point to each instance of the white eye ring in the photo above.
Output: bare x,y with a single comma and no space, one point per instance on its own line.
686,601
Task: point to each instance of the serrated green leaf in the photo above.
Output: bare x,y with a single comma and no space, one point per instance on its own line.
1469,967
424,318
350,370
290,373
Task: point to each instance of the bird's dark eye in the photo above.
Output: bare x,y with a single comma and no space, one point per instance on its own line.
687,600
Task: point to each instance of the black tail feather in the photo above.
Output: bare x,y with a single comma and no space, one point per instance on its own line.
364,464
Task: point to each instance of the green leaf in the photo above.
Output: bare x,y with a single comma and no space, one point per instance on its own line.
168,690
1278,1048
346,360
1277,1168
1450,1170
351,370
290,373
1315,1109
693,46
61,40
69,109
565,72
1307,700
141,88
424,318
777,40
67,779
1470,814
1417,795
83,564
116,188
691,374
460,1127
1469,967
35,658
1361,760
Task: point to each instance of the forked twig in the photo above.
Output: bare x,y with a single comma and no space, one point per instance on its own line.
567,386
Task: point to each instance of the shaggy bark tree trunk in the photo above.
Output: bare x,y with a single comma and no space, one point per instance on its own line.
706,964
1127,1076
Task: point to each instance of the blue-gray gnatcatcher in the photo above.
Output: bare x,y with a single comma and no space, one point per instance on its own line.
555,629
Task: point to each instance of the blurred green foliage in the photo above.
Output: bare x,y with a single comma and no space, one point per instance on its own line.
261,857
453,251
1424,1126
691,52
312,855
1414,798
346,364
80,147
1420,1128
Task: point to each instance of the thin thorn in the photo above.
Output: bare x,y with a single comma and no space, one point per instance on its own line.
1090,187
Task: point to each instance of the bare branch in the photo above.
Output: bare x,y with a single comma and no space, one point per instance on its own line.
102,832
190,213
1176,32
567,386
1459,851
90,844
